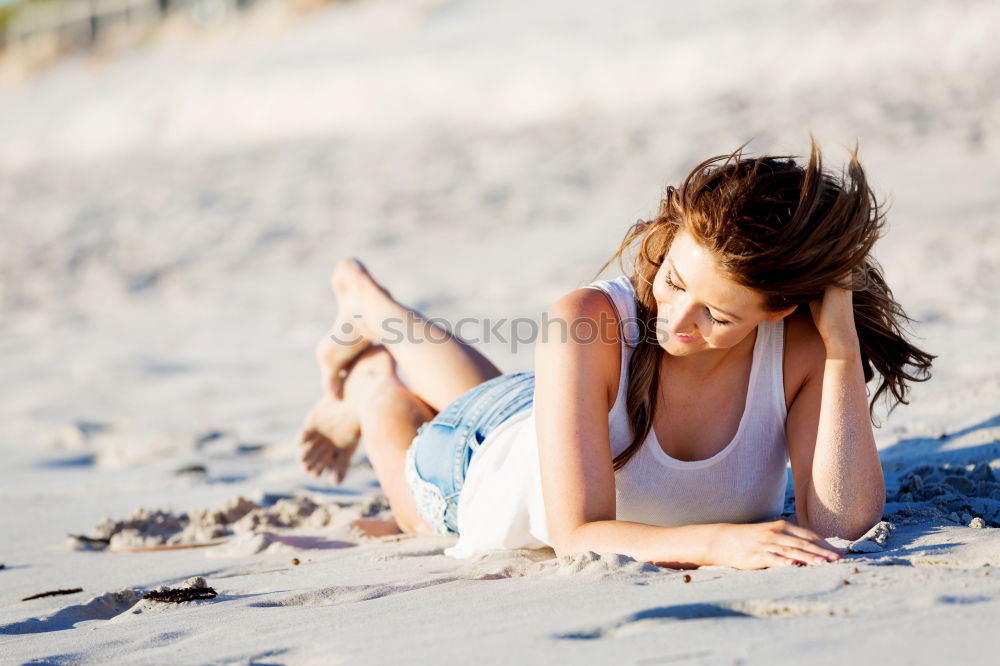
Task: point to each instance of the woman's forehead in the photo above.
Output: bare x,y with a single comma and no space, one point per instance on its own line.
698,268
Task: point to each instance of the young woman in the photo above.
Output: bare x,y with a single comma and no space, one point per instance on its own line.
664,404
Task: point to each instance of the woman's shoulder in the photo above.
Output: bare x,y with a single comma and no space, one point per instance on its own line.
620,292
582,327
589,313
608,305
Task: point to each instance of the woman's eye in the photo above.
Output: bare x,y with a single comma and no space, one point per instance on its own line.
670,283
720,322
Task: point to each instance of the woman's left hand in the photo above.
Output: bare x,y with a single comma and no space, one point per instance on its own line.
833,315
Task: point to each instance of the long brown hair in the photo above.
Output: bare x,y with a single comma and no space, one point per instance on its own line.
787,232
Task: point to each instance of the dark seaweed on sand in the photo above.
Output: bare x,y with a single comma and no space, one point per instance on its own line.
181,595
91,542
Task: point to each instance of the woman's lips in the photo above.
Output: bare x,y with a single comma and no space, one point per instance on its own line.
684,338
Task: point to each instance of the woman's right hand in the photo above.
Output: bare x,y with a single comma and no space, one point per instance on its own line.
771,544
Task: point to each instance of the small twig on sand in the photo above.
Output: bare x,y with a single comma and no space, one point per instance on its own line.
53,593
181,595
91,541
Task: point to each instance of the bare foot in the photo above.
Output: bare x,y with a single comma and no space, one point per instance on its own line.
349,335
329,438
332,428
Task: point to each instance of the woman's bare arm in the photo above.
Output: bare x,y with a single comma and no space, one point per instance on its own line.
576,383
839,485
573,390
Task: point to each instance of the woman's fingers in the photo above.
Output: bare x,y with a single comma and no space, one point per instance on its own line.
805,548
798,543
800,554
799,531
776,560
314,452
805,533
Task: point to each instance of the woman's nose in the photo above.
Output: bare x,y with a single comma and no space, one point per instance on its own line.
683,317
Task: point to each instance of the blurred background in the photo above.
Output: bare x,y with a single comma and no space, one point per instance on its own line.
178,177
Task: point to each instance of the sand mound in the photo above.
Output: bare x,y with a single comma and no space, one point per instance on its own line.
240,516
112,606
104,607
593,565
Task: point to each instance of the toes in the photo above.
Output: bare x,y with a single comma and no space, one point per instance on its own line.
306,445
320,455
347,270
328,440
309,461
318,468
312,454
314,468
339,465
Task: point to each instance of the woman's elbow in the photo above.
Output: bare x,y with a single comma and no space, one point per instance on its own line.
868,521
849,527
565,540
561,544
852,530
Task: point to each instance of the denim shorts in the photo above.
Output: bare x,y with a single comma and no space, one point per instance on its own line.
439,455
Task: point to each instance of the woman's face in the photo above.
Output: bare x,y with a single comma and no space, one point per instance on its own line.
698,308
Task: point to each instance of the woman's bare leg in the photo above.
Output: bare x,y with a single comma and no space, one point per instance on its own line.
389,422
379,407
439,366
363,396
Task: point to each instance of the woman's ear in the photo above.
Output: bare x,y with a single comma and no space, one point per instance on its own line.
781,314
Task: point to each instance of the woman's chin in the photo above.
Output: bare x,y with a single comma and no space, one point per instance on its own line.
676,347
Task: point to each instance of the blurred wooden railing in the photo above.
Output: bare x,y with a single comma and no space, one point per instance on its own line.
65,25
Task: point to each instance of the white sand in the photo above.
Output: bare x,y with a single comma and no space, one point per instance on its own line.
170,218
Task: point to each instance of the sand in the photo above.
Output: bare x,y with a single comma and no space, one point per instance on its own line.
170,217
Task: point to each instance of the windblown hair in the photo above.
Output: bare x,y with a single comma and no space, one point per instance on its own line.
787,232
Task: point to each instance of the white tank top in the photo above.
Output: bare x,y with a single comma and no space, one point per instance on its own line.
501,503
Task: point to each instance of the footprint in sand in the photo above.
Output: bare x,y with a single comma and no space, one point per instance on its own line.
652,619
